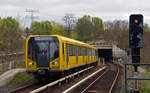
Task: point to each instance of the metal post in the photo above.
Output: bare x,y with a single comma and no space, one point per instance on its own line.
136,59
125,76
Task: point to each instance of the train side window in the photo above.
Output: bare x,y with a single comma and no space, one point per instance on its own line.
71,50
83,51
74,50
80,51
63,48
90,52
86,52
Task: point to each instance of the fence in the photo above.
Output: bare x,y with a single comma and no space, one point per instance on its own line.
11,61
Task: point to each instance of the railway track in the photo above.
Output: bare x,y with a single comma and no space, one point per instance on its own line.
100,80
61,85
34,86
28,88
104,83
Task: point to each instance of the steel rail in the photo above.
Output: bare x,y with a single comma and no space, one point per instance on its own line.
83,80
59,81
95,81
21,88
114,82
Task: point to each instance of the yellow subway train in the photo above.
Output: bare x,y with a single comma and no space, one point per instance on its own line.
55,56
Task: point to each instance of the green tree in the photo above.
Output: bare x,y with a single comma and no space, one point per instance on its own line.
89,28
41,28
98,27
84,28
98,22
11,34
117,32
145,51
58,29
73,35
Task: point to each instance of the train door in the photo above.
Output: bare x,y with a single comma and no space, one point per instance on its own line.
86,55
63,55
67,54
76,52
83,53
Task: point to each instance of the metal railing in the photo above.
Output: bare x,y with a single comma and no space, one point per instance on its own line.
132,78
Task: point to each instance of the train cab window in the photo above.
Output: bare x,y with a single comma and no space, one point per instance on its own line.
40,48
54,49
30,50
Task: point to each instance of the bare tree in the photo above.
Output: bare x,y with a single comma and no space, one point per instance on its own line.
70,21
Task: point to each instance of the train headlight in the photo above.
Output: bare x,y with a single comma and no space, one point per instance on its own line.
55,63
31,63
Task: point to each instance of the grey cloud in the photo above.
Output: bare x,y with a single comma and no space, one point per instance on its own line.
107,9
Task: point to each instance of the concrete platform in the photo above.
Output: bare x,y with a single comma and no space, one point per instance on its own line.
8,76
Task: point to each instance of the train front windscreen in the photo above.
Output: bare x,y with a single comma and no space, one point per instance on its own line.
43,50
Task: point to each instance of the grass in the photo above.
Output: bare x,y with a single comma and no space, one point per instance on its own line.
22,77
145,84
145,87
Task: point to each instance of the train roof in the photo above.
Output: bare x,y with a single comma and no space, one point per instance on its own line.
66,39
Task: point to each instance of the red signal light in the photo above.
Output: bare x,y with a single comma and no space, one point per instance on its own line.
136,21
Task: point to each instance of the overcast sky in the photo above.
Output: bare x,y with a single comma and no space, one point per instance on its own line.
56,9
